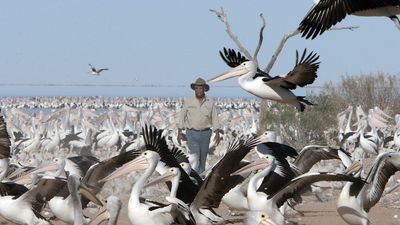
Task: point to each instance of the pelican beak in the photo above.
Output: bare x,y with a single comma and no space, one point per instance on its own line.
256,165
267,222
237,71
45,167
89,195
140,163
101,216
353,168
165,177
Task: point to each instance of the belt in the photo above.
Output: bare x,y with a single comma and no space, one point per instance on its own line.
205,129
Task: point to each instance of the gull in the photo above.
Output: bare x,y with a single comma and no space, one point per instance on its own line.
95,71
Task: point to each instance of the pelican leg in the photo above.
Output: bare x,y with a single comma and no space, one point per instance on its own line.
396,21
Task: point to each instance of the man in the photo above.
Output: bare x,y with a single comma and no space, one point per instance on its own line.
197,116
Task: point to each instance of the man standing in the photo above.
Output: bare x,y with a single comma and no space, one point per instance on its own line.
197,116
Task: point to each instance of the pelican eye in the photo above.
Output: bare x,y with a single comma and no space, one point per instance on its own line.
263,216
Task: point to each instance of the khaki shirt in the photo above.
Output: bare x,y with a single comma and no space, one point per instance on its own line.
198,116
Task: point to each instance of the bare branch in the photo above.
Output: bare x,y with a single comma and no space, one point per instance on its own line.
291,34
261,38
223,17
279,49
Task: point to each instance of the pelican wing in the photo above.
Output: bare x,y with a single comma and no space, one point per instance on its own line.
279,82
304,181
327,13
305,70
13,189
378,176
154,141
220,181
5,142
102,169
231,58
83,162
312,154
283,172
44,190
234,59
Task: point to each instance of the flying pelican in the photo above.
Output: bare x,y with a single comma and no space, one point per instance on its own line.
357,198
326,13
275,88
95,71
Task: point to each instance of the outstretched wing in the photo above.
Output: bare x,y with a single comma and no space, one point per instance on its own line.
231,58
305,70
327,13
102,69
303,181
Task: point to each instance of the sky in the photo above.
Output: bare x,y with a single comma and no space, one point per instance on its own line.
158,47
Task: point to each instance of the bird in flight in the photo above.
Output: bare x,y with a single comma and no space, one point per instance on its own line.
95,71
326,13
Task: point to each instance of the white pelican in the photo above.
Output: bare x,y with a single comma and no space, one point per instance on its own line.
219,181
275,88
110,212
154,141
326,13
139,212
260,201
95,71
91,171
22,205
357,198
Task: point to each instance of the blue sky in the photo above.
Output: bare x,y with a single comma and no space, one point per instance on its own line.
170,43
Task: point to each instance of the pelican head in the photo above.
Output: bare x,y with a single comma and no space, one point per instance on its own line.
256,165
108,212
167,176
244,68
258,218
139,163
394,159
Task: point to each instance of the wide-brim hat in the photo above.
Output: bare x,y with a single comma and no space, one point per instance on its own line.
201,82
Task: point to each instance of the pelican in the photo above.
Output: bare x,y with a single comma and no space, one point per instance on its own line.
260,201
154,141
357,198
326,13
145,213
110,212
95,71
219,181
275,88
22,206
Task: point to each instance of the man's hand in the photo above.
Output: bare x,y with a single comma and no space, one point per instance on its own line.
216,138
180,136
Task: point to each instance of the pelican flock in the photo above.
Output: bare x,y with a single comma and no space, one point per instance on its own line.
146,178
